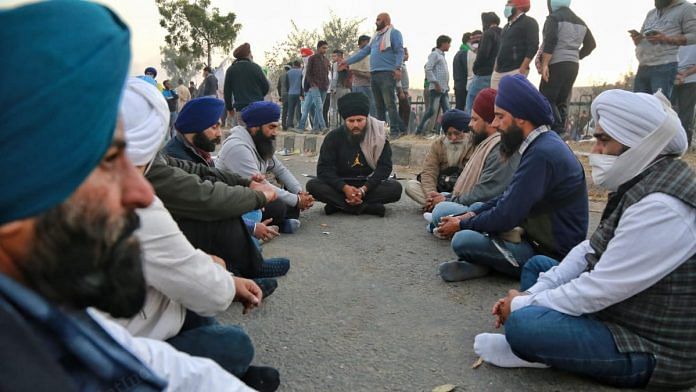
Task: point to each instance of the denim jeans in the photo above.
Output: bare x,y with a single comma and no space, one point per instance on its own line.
479,83
449,208
651,78
579,345
293,103
477,248
255,217
384,91
367,90
443,98
532,269
314,103
228,345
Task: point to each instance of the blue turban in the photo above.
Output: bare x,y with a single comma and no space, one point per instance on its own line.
519,97
151,70
457,119
61,91
199,114
260,113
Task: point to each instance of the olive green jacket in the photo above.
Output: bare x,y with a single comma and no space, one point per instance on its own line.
195,191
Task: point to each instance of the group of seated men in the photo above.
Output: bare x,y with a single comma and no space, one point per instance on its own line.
115,255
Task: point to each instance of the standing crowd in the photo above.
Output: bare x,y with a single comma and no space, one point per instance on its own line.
115,262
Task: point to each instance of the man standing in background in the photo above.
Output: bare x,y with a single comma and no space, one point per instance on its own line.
184,94
361,75
518,44
386,50
567,40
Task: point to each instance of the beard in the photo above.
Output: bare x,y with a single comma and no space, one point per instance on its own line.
81,258
511,140
660,4
356,138
201,141
264,145
478,137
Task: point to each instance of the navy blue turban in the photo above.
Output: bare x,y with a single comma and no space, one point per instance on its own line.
457,119
199,114
260,113
61,91
519,97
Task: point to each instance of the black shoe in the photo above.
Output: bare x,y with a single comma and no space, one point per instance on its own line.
262,378
271,268
330,209
375,209
267,286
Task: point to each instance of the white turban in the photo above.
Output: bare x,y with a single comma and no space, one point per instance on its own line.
145,117
645,123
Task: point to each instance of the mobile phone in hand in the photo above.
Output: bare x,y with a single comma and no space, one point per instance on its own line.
633,32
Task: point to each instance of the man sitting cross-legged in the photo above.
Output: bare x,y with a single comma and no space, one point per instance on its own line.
444,163
250,151
199,130
355,163
547,195
185,286
620,307
487,173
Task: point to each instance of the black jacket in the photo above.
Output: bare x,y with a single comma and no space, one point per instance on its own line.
245,83
460,69
487,51
519,40
177,148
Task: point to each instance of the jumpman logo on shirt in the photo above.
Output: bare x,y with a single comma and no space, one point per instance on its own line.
356,162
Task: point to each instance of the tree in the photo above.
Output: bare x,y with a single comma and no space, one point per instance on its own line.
625,83
177,65
195,30
338,33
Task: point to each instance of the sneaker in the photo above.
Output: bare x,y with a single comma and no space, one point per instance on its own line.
290,226
267,286
262,378
428,216
330,209
271,268
375,209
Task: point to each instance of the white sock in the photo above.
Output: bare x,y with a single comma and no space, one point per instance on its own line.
494,349
428,216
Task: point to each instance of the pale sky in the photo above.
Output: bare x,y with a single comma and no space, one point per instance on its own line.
266,23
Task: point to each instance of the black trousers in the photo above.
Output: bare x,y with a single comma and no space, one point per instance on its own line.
228,239
388,191
684,100
279,212
558,90
460,98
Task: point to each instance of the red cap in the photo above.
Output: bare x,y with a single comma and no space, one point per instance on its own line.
522,5
484,104
306,52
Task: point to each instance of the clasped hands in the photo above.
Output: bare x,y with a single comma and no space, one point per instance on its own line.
433,199
449,225
354,196
502,309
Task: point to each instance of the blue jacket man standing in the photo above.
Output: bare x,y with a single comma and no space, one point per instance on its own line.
386,50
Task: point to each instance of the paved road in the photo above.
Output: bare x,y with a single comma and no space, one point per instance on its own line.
363,309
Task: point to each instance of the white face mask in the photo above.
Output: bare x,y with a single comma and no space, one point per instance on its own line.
475,46
601,164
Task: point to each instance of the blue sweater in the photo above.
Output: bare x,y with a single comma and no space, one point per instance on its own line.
389,60
547,196
295,81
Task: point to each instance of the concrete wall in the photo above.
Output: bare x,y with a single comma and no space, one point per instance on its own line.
403,154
